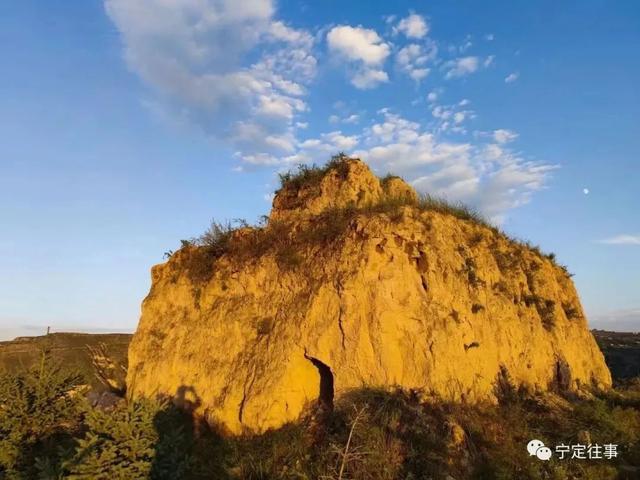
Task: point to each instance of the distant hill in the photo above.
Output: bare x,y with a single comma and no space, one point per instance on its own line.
621,352
70,349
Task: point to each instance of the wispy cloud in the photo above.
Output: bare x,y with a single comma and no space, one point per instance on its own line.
504,136
349,119
205,71
244,76
463,66
433,95
512,77
489,176
624,239
451,117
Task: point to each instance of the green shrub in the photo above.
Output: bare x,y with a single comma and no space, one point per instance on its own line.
118,443
144,439
39,410
372,434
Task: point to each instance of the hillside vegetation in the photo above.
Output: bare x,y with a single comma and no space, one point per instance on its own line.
48,431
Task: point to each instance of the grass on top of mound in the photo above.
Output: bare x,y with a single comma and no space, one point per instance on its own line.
245,241
309,175
306,175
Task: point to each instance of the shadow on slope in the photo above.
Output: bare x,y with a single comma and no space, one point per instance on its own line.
47,430
371,434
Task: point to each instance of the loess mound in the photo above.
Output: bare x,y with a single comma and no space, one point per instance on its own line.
355,281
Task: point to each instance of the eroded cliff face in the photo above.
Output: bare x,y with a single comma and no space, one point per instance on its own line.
320,301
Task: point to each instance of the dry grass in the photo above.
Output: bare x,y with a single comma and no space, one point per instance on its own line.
246,242
458,210
375,434
310,175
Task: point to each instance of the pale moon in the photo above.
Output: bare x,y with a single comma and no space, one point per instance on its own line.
585,191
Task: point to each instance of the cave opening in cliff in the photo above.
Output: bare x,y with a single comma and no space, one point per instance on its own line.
325,396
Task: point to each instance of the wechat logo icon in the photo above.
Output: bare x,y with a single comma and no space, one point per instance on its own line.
537,448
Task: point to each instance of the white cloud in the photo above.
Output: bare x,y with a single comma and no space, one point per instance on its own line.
411,59
276,105
494,180
488,61
413,26
369,78
281,31
441,112
461,66
624,239
512,77
350,119
390,18
459,117
502,135
358,44
330,143
243,75
340,141
311,143
284,143
465,46
411,54
489,176
461,48
226,66
433,95
449,118
261,159
418,74
354,118
489,37
252,138
365,50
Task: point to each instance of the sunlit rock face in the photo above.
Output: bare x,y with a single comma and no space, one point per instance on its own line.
350,284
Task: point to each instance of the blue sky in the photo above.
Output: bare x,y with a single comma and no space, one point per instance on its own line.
126,126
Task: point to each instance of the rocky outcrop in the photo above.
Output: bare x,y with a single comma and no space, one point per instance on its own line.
354,283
